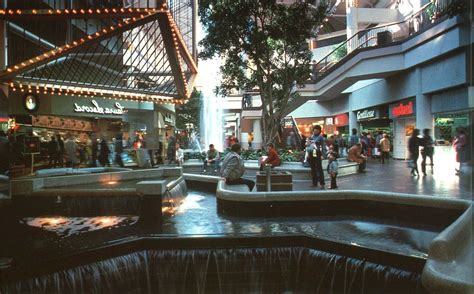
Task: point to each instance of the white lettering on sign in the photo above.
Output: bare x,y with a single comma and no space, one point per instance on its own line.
365,114
95,108
168,118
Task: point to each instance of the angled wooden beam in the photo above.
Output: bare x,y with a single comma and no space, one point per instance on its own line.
172,50
75,46
187,57
55,14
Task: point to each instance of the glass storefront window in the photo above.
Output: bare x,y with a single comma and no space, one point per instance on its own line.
446,125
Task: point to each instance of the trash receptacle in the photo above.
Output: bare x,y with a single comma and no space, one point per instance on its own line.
384,37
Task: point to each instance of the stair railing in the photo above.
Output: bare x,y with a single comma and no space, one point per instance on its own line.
369,37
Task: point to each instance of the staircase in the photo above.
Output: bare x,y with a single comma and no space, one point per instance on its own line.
379,36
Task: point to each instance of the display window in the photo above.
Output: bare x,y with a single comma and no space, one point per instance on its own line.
446,125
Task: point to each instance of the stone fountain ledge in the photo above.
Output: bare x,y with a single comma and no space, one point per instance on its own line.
298,171
449,266
44,186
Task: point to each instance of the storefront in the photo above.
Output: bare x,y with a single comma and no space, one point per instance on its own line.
305,125
404,122
446,125
341,122
374,119
45,116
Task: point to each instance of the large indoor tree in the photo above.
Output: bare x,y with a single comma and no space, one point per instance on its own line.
189,113
263,45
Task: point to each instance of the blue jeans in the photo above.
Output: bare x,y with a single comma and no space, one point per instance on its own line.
215,162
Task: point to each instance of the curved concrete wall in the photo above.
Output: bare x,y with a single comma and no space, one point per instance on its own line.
449,268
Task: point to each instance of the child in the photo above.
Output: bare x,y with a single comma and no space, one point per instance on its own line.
332,169
331,150
179,155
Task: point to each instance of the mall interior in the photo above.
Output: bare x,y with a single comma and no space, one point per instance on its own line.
119,75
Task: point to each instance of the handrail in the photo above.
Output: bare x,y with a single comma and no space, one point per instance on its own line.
365,42
352,43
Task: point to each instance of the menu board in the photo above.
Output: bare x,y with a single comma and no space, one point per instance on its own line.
54,122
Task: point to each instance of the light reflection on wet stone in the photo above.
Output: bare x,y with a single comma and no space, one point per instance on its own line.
68,226
379,234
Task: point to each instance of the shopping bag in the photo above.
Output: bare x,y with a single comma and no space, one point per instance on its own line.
376,151
410,164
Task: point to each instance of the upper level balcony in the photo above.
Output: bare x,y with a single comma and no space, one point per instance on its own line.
384,51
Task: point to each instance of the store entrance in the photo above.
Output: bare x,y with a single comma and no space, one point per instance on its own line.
403,129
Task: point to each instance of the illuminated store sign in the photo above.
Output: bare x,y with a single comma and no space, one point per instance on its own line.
402,109
97,109
366,114
341,120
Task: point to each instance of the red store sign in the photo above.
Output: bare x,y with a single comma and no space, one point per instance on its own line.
402,109
341,120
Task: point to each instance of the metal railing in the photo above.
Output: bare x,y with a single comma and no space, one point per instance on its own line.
78,4
379,35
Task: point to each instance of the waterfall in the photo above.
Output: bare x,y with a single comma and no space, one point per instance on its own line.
254,270
212,117
174,196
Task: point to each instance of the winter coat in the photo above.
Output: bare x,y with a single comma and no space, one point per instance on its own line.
385,145
233,166
272,158
354,154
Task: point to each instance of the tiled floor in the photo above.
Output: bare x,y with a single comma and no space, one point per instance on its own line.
440,180
395,177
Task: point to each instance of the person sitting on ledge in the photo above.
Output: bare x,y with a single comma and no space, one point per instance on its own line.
179,155
212,157
355,154
233,168
272,157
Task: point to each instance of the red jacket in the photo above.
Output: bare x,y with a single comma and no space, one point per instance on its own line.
273,158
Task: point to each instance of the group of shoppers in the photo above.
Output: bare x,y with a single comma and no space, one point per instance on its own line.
417,145
425,146
63,153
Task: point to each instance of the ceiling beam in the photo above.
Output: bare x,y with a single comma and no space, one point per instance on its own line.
54,54
173,54
58,14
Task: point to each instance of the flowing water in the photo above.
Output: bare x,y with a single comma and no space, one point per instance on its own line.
243,270
212,115
174,197
230,270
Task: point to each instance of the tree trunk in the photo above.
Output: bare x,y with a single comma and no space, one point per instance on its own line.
270,123
270,126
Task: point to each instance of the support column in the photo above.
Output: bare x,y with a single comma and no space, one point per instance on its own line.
424,117
352,27
352,121
257,134
470,93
